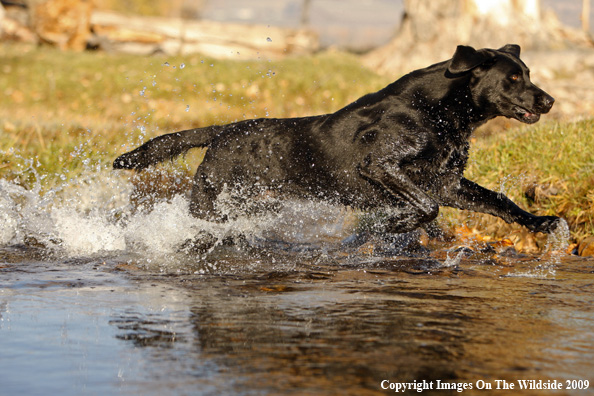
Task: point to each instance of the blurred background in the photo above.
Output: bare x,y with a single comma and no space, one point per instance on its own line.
390,37
351,25
357,26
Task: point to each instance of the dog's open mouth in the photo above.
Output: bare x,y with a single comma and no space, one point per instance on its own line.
526,116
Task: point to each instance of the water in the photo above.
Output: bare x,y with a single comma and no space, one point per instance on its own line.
100,295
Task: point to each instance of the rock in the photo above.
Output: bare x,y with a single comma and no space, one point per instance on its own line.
540,193
64,23
586,247
13,30
13,24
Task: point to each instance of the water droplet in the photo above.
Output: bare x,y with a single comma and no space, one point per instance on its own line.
269,39
166,64
187,107
182,65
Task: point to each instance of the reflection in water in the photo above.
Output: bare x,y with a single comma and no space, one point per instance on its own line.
352,330
323,325
106,306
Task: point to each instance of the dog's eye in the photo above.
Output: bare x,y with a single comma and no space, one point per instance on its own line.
514,77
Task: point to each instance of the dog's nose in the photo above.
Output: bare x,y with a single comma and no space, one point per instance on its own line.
546,102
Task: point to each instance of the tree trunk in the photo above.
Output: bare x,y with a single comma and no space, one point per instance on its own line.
431,30
586,15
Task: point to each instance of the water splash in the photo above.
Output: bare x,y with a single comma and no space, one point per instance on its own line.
93,215
558,240
455,260
555,249
80,234
9,211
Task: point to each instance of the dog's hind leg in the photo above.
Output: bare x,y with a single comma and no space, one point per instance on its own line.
203,198
202,206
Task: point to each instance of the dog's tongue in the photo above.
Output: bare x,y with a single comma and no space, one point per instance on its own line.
528,115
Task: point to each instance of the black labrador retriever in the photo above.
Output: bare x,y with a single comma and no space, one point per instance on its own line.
403,148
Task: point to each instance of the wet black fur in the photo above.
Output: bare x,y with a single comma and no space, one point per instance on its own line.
404,146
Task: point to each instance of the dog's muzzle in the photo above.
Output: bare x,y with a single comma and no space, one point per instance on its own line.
542,104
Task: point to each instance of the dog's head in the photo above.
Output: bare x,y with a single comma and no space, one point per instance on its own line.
500,83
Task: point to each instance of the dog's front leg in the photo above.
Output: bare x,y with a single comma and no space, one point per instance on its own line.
471,196
413,206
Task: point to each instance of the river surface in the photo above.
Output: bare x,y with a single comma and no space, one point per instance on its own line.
100,298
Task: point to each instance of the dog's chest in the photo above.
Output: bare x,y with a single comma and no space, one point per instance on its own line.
438,160
450,158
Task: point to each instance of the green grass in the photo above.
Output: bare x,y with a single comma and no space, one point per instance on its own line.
52,102
554,156
63,108
44,83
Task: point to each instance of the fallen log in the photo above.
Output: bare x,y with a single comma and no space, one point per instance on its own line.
147,35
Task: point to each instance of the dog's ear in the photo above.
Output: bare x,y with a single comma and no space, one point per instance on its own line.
513,49
466,58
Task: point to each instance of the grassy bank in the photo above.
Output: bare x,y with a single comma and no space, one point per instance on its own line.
64,108
547,169
52,102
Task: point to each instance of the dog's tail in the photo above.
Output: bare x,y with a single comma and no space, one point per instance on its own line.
165,147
